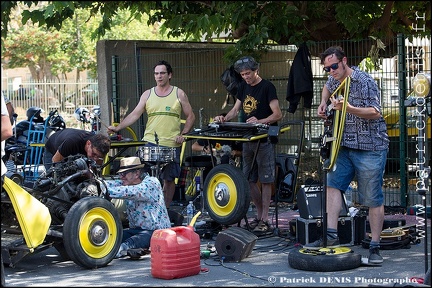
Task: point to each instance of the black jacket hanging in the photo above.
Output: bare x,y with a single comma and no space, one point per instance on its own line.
300,80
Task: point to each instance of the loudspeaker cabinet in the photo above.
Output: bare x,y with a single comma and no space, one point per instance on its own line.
234,244
309,199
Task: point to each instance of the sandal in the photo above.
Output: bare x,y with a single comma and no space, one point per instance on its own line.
262,227
254,223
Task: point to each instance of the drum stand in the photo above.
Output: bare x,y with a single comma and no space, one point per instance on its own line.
200,164
157,168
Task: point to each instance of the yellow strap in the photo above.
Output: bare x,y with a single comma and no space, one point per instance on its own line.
339,122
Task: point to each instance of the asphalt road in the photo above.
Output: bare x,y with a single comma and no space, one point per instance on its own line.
266,265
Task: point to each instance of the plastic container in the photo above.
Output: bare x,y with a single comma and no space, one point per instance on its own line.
198,183
175,253
189,212
348,195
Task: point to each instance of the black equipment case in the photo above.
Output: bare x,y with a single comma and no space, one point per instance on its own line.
309,230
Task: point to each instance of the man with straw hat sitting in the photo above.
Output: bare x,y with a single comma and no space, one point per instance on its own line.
145,206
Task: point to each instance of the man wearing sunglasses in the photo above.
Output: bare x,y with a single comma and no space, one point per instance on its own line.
70,141
145,206
363,150
258,99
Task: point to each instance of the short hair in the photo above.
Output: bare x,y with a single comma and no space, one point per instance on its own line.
336,50
245,63
167,65
143,173
101,142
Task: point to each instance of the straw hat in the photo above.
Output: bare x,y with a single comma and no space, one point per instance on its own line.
128,163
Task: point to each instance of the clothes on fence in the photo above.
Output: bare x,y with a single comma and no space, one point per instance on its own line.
300,80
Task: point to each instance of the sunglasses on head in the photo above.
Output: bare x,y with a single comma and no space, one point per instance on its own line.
333,66
242,61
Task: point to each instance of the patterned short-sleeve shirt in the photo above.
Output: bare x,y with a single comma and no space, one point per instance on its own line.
361,133
145,205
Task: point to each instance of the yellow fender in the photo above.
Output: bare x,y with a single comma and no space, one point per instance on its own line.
33,216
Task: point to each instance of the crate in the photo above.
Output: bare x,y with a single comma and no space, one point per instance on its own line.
309,230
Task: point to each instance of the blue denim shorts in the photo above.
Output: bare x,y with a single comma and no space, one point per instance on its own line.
368,168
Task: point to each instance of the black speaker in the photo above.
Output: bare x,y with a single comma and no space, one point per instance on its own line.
235,244
309,202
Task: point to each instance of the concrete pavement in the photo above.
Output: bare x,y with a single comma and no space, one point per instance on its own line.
267,265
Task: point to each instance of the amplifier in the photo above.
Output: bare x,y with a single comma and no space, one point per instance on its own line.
309,199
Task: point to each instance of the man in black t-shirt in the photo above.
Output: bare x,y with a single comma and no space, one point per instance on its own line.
257,98
72,141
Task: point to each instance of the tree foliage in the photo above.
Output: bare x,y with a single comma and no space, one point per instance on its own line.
252,25
49,52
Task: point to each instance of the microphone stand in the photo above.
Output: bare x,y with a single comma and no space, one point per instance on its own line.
158,155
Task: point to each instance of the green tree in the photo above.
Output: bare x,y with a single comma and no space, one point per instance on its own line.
37,49
49,52
252,25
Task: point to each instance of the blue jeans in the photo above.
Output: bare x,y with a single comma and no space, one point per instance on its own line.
47,159
367,166
137,238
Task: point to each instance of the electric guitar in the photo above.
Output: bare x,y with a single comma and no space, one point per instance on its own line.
334,125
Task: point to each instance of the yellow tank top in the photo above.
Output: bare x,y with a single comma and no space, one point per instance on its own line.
164,115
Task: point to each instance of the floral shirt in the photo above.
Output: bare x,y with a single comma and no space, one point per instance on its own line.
145,205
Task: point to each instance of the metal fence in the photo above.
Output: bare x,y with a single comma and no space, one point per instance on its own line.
65,96
198,73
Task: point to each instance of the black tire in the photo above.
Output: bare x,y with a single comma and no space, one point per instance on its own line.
3,277
62,251
92,232
226,194
324,260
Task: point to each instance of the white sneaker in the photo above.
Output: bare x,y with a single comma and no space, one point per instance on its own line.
122,252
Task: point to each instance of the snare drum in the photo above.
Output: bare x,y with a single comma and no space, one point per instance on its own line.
155,154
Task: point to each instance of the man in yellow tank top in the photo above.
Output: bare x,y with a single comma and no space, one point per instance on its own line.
164,105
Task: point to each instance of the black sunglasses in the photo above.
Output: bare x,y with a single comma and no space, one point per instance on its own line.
333,66
122,174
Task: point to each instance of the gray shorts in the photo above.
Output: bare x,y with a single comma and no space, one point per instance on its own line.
265,161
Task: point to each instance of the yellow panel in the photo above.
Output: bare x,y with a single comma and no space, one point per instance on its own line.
33,216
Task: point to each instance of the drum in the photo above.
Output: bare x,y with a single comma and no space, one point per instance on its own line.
155,154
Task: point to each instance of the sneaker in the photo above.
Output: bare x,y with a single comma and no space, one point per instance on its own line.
122,252
316,245
374,256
